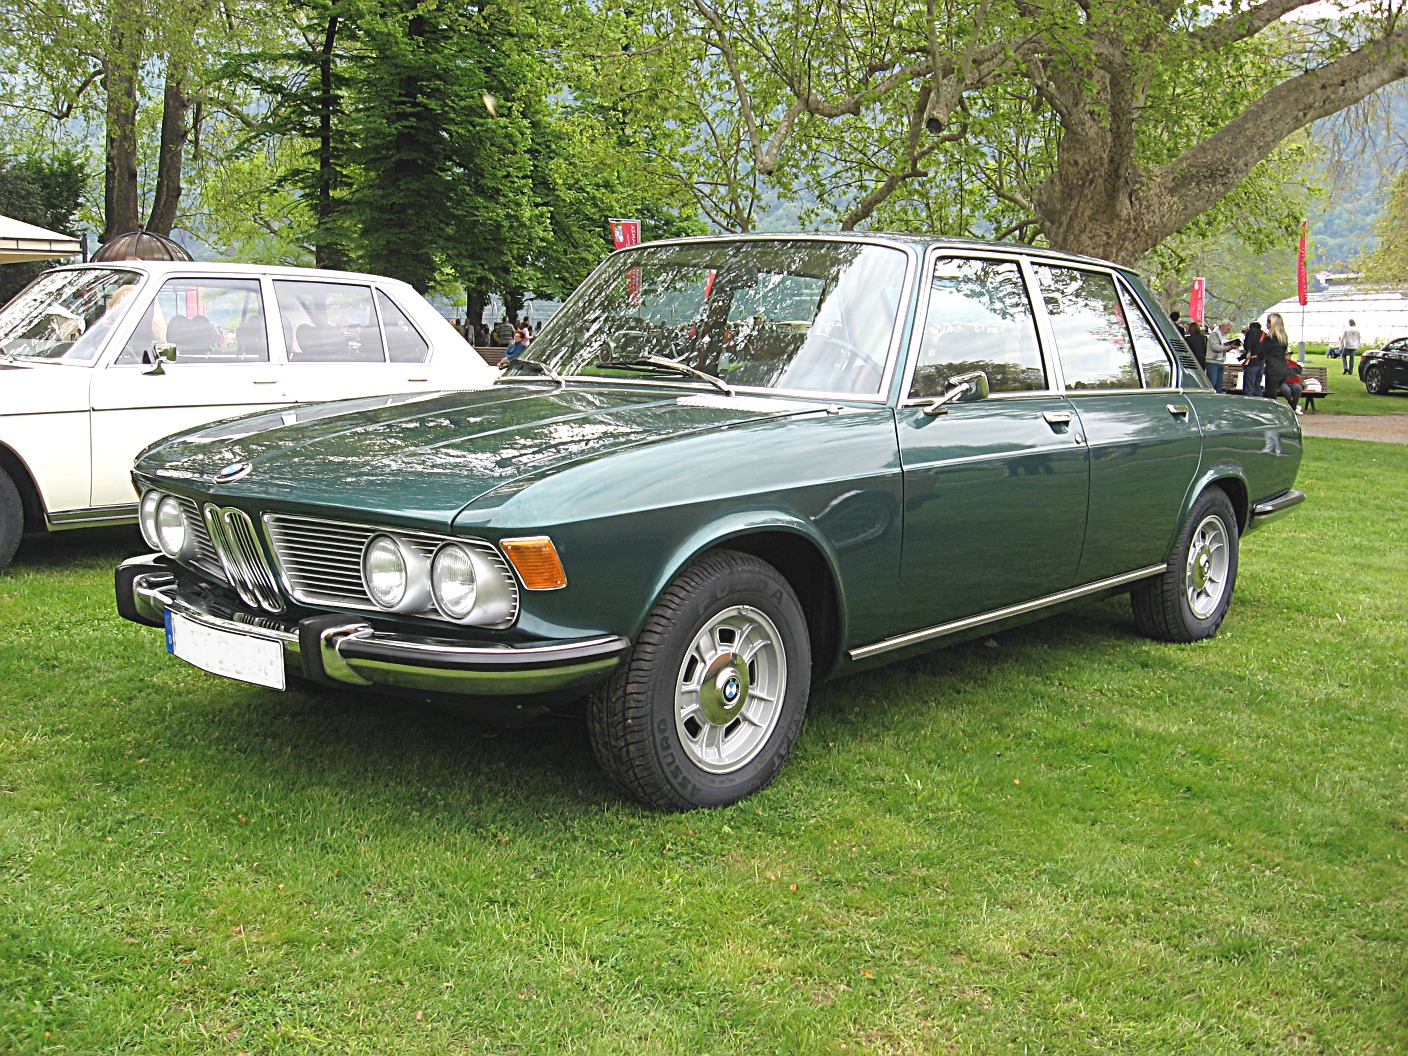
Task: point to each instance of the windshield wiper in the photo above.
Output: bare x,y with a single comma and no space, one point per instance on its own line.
542,368
673,365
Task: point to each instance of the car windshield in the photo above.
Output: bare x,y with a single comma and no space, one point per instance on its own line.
802,315
65,315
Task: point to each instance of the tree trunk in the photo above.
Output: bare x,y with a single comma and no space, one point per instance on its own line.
175,130
475,303
328,251
121,72
1098,202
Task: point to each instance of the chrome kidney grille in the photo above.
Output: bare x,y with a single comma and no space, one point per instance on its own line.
235,542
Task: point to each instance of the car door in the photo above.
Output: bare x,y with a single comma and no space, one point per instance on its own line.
348,339
222,368
1143,434
1395,361
994,489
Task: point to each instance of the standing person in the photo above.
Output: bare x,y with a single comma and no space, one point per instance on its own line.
1254,367
1217,353
1349,347
1198,342
1273,348
503,331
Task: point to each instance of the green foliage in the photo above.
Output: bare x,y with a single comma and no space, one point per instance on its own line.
42,191
1389,262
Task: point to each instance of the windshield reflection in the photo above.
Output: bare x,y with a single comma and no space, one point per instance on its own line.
789,314
66,315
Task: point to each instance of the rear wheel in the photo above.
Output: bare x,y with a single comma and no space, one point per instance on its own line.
11,519
1375,381
707,707
1188,601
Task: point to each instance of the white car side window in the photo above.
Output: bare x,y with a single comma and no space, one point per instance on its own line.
208,320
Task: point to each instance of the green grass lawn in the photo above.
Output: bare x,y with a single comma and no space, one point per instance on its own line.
1066,839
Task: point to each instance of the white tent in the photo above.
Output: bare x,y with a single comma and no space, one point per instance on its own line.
20,241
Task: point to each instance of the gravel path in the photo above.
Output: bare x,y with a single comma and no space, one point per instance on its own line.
1386,428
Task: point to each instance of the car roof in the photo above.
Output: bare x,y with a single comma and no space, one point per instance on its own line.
161,268
898,239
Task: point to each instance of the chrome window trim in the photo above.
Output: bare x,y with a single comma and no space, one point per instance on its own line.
1119,282
926,634
921,318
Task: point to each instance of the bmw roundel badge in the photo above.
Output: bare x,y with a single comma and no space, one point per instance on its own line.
233,472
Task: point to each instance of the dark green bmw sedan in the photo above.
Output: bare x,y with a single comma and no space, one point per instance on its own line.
727,468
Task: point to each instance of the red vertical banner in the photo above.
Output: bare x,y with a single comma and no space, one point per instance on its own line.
1197,299
624,233
1302,287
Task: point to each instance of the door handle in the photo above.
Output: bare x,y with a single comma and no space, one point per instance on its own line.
1057,417
1178,410
266,381
418,379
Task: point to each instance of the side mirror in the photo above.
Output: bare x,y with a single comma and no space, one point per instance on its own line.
165,353
974,386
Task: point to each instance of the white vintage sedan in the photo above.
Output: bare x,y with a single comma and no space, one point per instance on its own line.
99,360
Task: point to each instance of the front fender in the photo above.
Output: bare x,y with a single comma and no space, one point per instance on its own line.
738,526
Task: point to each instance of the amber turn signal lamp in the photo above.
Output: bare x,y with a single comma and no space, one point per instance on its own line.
537,562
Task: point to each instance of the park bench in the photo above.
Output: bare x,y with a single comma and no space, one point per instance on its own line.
1232,382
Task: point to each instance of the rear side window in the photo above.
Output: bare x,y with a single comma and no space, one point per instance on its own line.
1153,359
329,322
1089,322
403,342
978,318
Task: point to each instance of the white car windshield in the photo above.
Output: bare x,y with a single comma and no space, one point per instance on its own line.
66,315
792,315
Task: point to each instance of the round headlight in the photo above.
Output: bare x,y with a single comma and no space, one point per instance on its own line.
170,526
384,571
146,517
453,582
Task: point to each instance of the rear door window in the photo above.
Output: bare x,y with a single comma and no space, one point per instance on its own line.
1088,320
329,322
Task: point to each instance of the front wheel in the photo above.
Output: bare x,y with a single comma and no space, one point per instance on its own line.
11,519
1374,381
707,707
1188,601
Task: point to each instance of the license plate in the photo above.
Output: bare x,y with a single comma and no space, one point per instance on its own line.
245,657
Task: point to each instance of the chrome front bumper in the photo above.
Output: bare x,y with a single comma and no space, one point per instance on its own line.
348,651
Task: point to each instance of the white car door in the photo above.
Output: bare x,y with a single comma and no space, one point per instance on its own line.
223,367
347,339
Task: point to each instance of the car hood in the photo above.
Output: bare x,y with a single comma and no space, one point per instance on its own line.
420,460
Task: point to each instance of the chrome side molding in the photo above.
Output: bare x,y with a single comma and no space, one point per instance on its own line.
968,623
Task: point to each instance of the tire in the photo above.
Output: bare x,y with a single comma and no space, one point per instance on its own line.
1188,601
1374,381
11,519
683,724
